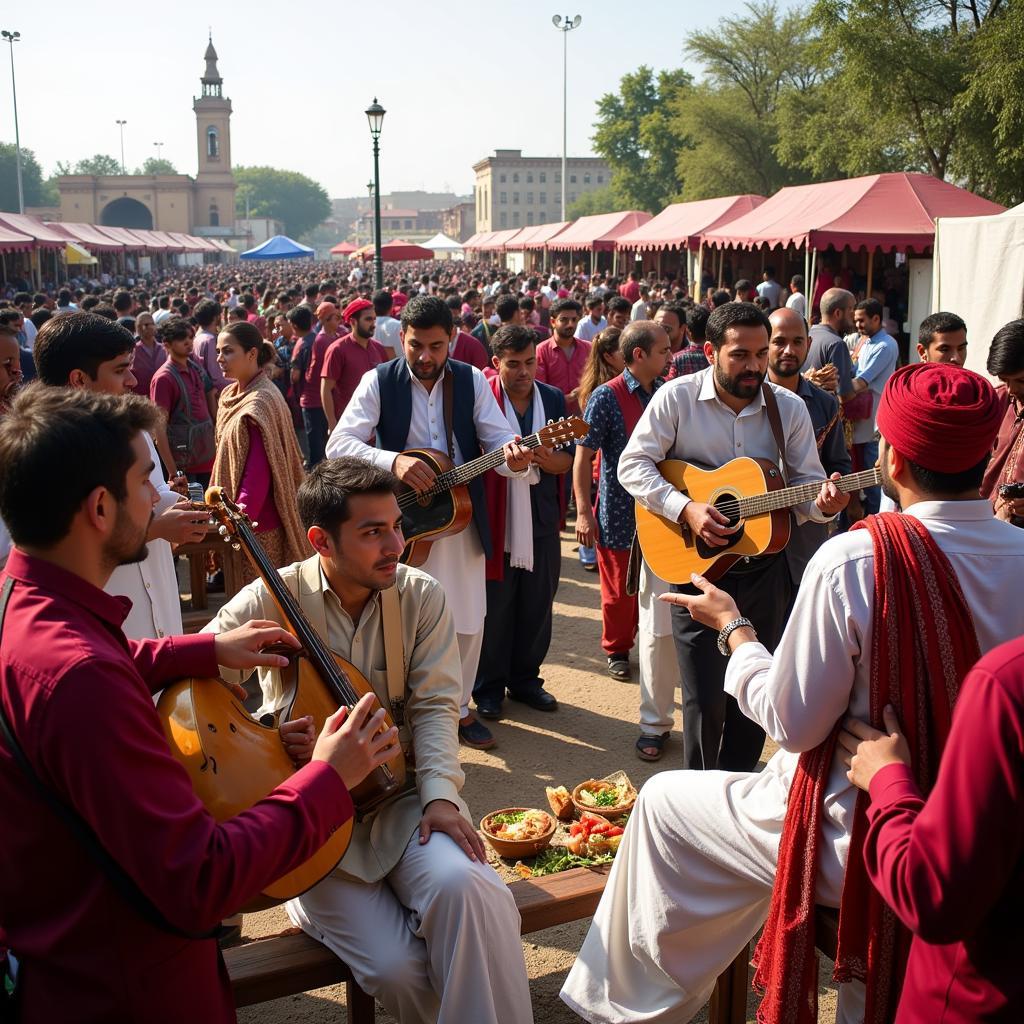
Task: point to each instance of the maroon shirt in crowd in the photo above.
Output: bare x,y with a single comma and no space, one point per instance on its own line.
345,363
78,696
468,349
309,397
952,868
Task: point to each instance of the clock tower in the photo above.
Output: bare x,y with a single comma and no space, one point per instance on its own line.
214,203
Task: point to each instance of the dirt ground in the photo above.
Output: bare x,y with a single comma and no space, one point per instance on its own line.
592,734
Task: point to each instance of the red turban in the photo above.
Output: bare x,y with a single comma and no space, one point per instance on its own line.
354,308
940,416
325,309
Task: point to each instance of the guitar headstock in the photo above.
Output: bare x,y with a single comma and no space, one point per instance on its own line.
232,517
562,432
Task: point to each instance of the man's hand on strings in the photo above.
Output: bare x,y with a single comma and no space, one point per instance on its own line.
517,458
299,738
707,523
830,500
865,750
711,607
414,472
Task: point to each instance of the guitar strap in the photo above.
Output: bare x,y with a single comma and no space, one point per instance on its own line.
448,401
394,660
771,407
82,831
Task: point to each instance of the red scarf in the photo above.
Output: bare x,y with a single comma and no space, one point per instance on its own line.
923,643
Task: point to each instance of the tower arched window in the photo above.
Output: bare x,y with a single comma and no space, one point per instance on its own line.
214,214
212,143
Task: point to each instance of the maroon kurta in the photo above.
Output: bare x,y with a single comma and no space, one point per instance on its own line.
468,349
953,867
78,696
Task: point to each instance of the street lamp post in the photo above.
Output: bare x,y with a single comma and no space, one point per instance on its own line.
369,192
565,26
159,147
375,115
121,125
12,38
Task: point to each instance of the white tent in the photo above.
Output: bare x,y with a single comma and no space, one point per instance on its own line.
979,275
445,248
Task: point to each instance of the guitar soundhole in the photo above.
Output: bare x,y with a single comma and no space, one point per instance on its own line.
728,505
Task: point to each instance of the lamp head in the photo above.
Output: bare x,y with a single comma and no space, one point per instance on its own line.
556,21
11,37
375,115
576,21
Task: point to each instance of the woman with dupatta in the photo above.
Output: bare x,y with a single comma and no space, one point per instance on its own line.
258,461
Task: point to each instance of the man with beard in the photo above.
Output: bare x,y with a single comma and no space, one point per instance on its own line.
85,352
413,907
562,358
828,359
427,400
348,358
710,418
787,351
81,739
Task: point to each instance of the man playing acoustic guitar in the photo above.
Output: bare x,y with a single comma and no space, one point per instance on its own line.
709,418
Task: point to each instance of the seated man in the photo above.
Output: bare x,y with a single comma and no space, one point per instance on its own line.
693,880
426,926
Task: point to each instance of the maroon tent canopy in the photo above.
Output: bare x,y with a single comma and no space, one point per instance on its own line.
399,250
343,249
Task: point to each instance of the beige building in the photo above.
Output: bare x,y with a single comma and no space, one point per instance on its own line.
516,191
459,221
204,205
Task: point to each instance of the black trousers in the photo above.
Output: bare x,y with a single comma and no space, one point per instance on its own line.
716,734
315,422
517,630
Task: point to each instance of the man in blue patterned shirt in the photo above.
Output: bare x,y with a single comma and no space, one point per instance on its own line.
613,411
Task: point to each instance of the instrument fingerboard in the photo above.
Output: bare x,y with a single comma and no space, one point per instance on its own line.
761,504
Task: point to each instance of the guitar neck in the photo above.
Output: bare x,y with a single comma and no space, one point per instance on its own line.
762,504
469,470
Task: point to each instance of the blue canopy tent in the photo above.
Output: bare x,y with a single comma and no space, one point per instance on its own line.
280,247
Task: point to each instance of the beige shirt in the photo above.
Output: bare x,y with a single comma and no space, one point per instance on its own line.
433,691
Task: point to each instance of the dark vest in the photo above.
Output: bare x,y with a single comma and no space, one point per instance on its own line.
396,416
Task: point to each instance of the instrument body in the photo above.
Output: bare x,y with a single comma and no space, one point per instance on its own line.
749,492
235,761
447,508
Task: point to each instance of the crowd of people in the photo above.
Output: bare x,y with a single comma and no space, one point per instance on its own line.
880,648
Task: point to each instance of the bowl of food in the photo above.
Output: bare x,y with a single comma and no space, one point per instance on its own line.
518,831
611,797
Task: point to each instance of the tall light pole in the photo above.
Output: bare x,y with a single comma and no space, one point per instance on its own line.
565,26
375,115
369,192
12,38
121,125
159,147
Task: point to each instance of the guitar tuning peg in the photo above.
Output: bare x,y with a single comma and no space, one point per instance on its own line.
254,524
237,546
223,531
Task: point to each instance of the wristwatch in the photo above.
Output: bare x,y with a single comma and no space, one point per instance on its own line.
727,630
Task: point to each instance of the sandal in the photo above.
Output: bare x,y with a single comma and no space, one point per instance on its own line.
646,741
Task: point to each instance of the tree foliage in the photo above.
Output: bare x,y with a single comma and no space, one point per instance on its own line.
154,165
635,134
288,196
101,163
601,200
36,191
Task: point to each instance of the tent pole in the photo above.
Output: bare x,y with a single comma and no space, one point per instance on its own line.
871,272
721,262
807,271
813,282
699,272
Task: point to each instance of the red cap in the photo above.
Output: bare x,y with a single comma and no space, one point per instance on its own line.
354,308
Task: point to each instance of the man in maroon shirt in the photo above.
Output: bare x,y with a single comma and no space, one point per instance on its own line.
348,358
952,866
77,698
310,361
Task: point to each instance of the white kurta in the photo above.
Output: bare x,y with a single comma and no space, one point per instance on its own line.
152,583
692,881
457,563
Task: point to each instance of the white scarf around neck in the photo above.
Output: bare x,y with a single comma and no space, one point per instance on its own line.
518,510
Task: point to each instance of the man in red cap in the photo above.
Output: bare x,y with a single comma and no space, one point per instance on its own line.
348,358
891,613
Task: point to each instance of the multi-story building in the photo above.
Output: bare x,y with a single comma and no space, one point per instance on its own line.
515,191
459,222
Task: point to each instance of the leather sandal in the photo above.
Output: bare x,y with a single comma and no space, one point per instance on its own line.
645,741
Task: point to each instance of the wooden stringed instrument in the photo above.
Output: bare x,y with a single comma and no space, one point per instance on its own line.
234,760
750,493
446,508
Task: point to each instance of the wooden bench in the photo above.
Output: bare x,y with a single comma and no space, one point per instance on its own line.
292,962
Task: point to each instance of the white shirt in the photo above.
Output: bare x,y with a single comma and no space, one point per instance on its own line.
798,302
772,291
386,332
31,331
152,583
165,314
587,330
821,669
457,563
639,310
687,420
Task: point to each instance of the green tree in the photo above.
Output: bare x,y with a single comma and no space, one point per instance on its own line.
753,63
288,196
601,200
37,192
98,164
153,165
636,135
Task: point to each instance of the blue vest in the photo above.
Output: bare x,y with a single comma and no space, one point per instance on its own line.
396,417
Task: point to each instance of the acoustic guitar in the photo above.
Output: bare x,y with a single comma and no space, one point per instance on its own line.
233,760
750,493
446,508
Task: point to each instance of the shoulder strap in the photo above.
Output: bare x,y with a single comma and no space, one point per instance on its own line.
183,389
394,646
771,407
116,875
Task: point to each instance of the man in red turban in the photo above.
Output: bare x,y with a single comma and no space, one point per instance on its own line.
348,358
891,613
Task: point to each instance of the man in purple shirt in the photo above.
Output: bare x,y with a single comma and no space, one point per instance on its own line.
204,347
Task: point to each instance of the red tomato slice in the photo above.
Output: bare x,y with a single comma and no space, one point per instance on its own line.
614,831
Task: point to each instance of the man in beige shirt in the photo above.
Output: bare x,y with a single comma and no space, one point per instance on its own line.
424,923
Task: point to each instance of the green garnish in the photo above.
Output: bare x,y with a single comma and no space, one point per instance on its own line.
606,798
507,819
558,858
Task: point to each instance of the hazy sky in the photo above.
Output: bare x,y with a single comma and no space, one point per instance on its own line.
456,83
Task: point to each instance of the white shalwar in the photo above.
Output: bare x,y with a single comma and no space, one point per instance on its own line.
151,584
692,881
659,667
458,562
